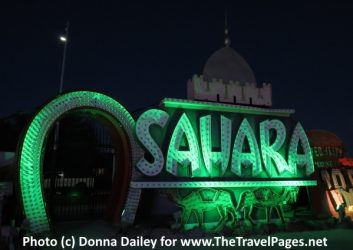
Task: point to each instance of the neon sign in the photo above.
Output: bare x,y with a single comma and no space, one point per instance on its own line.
186,138
339,186
250,153
30,155
190,151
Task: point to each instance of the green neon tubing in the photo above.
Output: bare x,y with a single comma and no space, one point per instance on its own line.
212,158
31,153
270,151
221,184
148,118
223,107
305,159
239,157
185,158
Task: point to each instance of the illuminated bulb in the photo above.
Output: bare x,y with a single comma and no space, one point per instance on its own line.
63,39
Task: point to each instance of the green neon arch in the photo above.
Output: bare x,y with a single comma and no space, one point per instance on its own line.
31,151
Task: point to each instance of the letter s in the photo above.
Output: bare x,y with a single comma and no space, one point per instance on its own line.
152,116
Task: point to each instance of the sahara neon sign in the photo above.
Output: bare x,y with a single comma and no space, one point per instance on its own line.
240,154
189,130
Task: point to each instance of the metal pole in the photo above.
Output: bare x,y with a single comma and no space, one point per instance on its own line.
64,58
57,126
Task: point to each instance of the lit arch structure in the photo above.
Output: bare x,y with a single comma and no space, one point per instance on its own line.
31,152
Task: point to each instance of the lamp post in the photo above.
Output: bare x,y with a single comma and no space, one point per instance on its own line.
64,39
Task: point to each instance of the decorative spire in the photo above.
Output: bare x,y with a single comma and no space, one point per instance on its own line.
226,33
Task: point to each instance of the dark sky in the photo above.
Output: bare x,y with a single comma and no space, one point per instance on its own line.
140,52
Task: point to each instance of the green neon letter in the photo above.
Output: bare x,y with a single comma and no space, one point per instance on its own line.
152,116
270,151
210,157
184,157
304,159
239,157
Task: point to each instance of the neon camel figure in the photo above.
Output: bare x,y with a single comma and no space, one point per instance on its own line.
265,198
203,200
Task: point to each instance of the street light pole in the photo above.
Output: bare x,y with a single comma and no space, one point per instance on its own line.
64,39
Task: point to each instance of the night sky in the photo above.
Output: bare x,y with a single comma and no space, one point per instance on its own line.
141,52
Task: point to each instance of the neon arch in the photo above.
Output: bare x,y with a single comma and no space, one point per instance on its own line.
31,152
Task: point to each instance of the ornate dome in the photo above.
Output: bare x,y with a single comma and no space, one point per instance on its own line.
228,65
